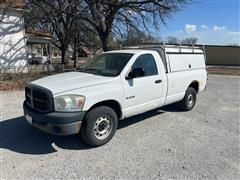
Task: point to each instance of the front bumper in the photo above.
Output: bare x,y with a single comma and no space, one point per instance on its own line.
57,123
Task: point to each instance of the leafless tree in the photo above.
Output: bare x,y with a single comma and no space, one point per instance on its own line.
172,40
116,16
62,18
135,36
189,41
68,19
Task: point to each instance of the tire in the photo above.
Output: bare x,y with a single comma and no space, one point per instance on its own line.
189,100
99,126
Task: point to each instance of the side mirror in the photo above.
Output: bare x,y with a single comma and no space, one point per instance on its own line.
136,72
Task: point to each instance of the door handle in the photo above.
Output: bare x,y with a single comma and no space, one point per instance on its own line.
158,81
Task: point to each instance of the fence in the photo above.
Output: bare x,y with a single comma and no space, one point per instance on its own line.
223,55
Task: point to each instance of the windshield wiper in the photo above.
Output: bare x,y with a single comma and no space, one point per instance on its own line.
97,71
108,74
91,69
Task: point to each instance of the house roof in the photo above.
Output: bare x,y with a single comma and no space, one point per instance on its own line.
17,4
38,40
38,37
37,33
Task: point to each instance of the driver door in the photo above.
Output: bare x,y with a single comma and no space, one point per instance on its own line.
143,93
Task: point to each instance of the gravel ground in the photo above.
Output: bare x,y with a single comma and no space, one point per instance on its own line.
161,144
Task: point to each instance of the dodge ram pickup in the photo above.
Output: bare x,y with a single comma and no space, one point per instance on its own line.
112,86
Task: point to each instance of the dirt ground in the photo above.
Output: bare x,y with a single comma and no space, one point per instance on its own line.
233,71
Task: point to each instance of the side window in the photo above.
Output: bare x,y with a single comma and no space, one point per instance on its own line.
147,62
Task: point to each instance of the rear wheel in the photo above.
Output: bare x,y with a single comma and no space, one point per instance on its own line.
189,100
99,126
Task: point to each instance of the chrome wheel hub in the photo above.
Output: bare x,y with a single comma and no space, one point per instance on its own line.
103,127
190,99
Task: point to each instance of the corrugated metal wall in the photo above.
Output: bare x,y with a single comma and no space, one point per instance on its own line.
223,55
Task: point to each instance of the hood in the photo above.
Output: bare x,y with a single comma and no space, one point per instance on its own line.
69,81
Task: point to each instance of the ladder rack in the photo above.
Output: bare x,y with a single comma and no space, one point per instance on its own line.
164,46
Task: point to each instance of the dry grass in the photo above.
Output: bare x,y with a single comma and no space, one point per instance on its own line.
12,85
17,82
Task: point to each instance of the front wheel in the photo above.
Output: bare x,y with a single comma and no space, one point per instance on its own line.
189,100
99,126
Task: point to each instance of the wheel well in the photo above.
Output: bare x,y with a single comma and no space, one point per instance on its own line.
195,85
112,104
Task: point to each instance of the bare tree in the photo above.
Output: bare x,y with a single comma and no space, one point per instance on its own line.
189,41
57,16
172,40
106,18
116,16
135,36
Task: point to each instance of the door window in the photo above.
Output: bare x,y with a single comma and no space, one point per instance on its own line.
147,63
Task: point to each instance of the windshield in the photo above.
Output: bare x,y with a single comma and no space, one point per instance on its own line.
107,64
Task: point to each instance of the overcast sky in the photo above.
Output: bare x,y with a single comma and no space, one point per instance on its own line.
211,21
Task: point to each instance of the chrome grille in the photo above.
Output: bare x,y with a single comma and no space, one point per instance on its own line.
39,98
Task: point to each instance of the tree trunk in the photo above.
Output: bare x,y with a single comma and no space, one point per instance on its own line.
75,52
104,41
63,53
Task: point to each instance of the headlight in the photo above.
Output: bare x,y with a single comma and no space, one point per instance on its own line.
69,103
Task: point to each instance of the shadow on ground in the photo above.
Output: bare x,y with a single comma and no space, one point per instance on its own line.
17,135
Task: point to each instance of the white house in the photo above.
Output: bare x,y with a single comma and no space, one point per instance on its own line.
13,54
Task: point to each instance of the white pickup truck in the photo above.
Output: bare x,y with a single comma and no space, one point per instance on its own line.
112,86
